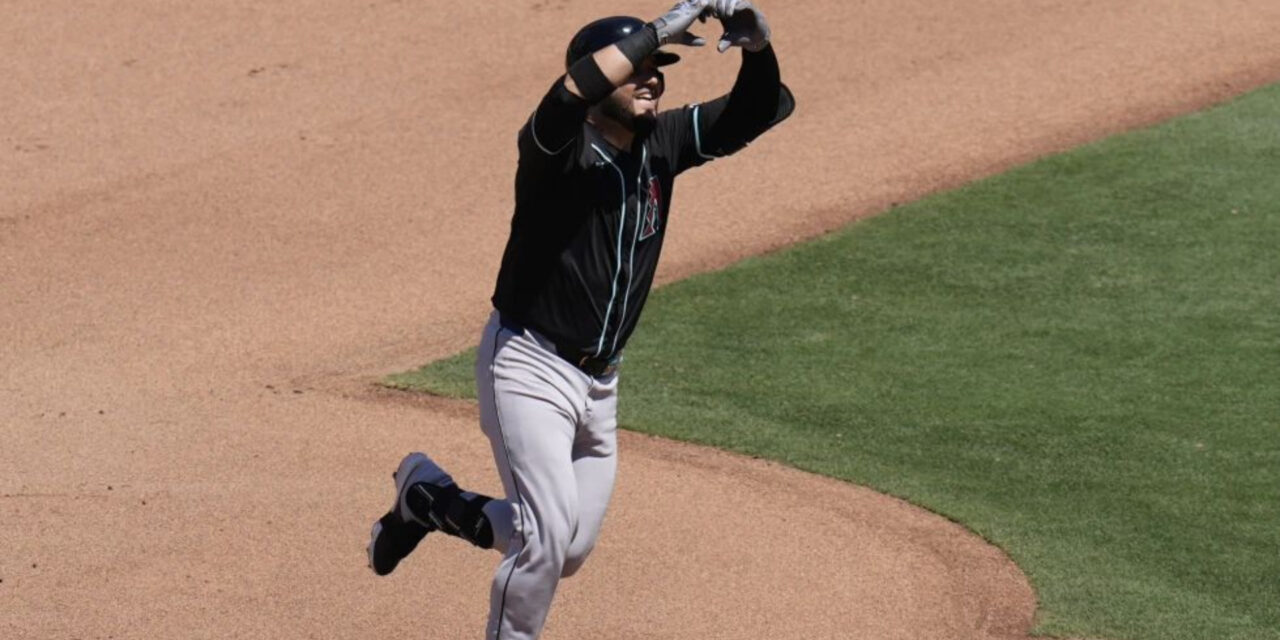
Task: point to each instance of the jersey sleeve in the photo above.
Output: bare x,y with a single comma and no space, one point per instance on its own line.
549,140
678,137
699,133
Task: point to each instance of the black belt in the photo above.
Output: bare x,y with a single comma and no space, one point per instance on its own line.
593,366
590,365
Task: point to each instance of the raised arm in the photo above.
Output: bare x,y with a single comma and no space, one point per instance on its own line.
558,118
758,99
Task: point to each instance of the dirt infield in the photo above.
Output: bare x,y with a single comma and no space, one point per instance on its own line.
219,223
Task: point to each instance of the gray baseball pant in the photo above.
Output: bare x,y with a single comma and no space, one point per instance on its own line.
553,430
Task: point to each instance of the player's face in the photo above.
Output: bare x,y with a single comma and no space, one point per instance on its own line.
637,98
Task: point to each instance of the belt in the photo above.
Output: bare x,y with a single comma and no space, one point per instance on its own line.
590,365
593,366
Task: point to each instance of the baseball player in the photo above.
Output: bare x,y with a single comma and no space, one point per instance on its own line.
597,162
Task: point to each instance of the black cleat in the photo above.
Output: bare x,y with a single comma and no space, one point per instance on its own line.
391,540
396,534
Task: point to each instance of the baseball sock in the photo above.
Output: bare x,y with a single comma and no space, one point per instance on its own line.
454,511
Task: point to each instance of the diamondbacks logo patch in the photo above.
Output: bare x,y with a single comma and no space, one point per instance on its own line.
652,209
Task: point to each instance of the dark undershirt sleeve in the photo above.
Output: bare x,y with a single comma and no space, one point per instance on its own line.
757,101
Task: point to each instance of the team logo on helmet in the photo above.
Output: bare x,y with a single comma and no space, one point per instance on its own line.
652,210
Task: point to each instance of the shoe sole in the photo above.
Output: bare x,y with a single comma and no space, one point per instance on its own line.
373,542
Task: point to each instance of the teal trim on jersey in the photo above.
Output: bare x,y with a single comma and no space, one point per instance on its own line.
533,131
622,181
697,134
635,236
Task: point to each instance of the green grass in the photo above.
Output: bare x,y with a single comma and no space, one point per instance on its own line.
1079,360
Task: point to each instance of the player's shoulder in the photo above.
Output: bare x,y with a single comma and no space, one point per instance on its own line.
674,123
677,115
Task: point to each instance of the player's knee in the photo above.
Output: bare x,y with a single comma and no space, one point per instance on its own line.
552,534
574,560
579,549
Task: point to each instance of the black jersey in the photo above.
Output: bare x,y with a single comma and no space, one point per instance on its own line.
590,219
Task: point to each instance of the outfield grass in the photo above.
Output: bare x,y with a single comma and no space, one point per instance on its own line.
1079,360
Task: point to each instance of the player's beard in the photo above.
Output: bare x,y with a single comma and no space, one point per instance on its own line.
641,124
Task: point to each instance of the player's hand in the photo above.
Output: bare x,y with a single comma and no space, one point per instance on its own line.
673,26
744,25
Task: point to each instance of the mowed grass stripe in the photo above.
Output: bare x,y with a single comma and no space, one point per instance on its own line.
1079,360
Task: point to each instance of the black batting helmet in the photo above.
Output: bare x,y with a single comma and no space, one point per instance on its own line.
606,31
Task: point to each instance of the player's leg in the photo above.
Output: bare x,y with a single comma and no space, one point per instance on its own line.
595,465
441,505
530,405
427,499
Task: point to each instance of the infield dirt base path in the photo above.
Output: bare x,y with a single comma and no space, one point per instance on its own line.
220,222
